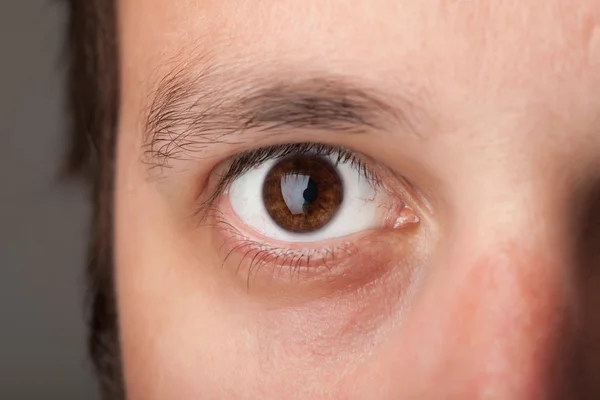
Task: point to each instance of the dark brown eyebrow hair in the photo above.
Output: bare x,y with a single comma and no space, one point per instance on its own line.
187,114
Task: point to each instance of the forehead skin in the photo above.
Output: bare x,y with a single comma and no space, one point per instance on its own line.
512,87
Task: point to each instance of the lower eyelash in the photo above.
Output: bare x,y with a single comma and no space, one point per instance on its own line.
296,263
255,256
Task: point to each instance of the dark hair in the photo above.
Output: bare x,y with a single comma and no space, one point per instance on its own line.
93,101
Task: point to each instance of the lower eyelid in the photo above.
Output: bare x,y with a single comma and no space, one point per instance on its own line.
341,266
333,264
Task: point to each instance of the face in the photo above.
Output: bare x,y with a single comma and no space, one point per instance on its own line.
367,199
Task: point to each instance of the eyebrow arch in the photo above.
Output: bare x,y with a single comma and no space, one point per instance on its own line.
188,114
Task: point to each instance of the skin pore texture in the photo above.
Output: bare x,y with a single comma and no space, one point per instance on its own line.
482,121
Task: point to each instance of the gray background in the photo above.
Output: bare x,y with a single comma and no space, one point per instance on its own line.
42,220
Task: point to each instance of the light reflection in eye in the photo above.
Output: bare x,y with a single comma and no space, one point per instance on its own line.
298,192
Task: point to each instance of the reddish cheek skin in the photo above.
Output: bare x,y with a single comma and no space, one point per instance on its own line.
493,327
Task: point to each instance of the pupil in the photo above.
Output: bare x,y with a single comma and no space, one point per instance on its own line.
310,193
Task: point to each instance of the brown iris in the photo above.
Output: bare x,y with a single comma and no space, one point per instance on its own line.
302,193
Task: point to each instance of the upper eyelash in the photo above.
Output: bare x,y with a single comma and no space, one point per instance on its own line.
254,158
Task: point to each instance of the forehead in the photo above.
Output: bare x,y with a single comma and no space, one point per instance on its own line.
465,58
389,35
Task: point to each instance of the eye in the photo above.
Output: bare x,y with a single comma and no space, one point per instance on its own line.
284,208
307,197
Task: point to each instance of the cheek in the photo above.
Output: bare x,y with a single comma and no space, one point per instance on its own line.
182,339
170,315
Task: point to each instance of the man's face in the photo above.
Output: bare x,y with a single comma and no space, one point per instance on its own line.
367,199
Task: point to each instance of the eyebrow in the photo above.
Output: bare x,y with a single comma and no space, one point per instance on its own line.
187,114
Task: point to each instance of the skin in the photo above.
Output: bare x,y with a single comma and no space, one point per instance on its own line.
492,295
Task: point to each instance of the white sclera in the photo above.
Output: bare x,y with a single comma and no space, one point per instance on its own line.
357,212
